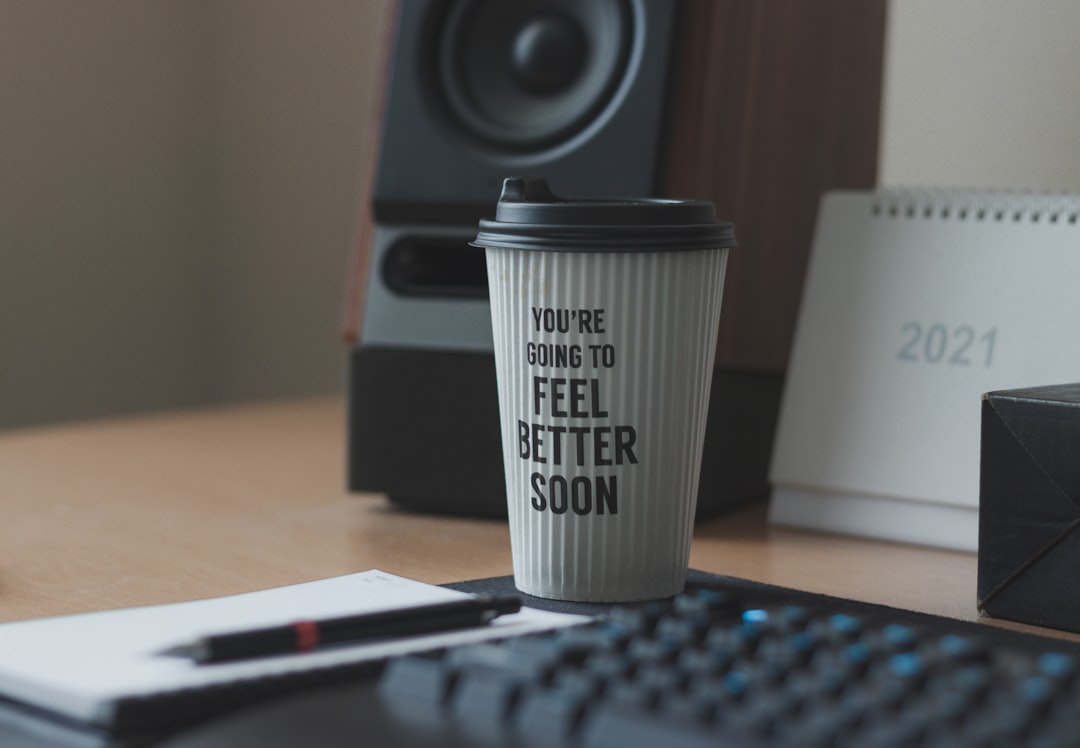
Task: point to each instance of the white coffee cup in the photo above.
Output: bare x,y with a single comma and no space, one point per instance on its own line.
604,315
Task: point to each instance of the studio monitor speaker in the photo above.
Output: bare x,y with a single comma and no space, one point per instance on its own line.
758,107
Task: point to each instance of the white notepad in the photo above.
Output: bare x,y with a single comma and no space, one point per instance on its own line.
916,302
90,666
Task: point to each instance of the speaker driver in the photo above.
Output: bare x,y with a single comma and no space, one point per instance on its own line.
529,74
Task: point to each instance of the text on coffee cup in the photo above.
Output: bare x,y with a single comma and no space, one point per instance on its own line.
558,438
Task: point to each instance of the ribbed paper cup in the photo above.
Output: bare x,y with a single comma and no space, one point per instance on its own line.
605,335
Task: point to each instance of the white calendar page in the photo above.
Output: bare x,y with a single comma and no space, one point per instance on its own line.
915,304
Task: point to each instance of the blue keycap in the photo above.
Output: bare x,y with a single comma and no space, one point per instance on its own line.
898,636
845,624
755,615
907,665
1056,665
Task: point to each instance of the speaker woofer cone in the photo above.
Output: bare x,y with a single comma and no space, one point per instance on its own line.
529,74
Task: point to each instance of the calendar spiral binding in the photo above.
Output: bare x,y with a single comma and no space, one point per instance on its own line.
976,205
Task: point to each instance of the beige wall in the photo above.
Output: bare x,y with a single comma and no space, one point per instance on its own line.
178,186
982,93
293,100
103,237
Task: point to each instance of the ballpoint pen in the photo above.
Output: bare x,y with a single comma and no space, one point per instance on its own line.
301,636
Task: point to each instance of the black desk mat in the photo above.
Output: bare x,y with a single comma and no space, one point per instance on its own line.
505,586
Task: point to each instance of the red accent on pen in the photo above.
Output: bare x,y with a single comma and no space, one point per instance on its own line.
307,635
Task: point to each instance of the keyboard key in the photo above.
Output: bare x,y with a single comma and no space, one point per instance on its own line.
545,717
716,604
1055,665
664,649
793,618
961,649
421,682
845,626
689,629
482,700
714,660
898,637
608,665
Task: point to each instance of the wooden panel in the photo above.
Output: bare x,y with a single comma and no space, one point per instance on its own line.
775,102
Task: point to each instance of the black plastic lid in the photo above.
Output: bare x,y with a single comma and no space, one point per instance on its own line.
530,216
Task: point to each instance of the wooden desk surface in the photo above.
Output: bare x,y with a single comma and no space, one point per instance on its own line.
195,504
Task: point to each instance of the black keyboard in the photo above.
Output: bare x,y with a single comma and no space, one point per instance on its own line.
746,668
731,663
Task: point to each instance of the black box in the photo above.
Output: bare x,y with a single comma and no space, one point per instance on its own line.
1029,506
